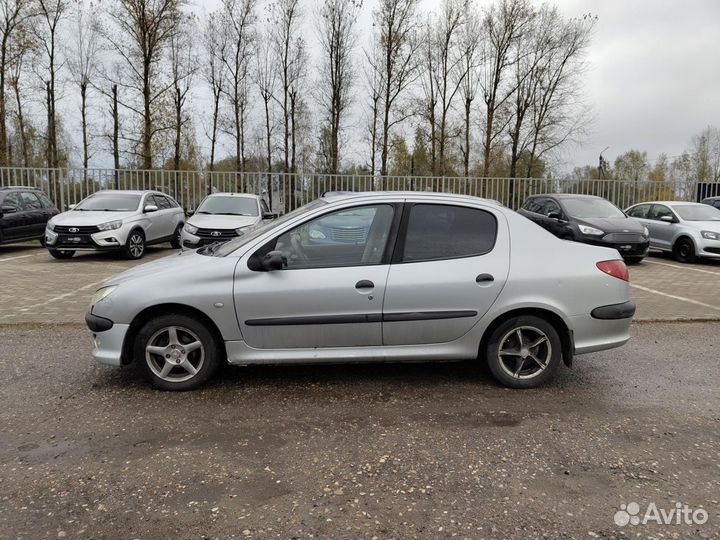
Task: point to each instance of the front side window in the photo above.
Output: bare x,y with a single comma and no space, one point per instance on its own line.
347,237
107,202
437,231
161,202
551,207
659,211
31,201
47,203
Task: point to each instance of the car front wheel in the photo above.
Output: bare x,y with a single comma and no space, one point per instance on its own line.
684,250
176,242
523,352
177,352
135,245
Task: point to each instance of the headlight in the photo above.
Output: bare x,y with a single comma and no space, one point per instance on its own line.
316,235
102,294
646,232
585,229
50,226
192,229
710,235
110,225
241,230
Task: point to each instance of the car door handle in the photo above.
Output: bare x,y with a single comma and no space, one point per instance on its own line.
364,284
484,278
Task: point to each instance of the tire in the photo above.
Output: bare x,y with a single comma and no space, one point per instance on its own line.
634,260
684,250
134,245
169,364
61,253
176,242
516,370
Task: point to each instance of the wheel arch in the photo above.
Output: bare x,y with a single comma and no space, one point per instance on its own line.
163,309
566,337
684,236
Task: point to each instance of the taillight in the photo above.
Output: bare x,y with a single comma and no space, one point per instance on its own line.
615,269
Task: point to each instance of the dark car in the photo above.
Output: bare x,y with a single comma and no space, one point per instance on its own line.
591,220
712,201
24,213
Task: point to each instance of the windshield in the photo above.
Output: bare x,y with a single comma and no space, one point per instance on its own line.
229,205
592,208
228,247
109,202
697,212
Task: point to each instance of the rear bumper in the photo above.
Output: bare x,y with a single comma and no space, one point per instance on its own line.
615,311
591,334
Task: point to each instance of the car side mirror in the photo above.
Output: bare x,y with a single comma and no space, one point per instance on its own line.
274,260
150,208
190,213
269,215
72,206
667,219
555,215
8,210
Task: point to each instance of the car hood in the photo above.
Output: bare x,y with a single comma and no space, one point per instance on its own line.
712,226
614,225
160,267
76,217
219,221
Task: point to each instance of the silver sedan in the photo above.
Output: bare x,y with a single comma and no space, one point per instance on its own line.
369,277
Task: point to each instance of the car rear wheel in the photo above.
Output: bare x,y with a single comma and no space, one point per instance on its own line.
61,253
177,352
135,245
684,250
523,352
176,242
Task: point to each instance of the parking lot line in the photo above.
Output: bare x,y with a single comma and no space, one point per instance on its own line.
684,267
15,258
675,297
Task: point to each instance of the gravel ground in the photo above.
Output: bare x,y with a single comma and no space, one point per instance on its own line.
388,451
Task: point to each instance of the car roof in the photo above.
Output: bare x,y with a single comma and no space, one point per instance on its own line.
711,198
334,196
26,188
565,196
230,194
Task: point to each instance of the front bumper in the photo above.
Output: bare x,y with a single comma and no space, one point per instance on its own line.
193,241
626,249
709,248
107,344
99,241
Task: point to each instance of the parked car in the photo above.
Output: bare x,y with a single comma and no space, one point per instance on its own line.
712,201
222,217
590,220
685,229
437,277
124,221
24,213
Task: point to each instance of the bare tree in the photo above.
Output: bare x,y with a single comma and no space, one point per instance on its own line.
15,75
142,32
83,59
336,21
395,38
297,103
13,13
239,17
376,84
215,42
285,20
266,82
470,37
504,23
51,13
183,62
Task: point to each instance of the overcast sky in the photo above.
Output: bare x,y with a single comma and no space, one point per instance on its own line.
654,76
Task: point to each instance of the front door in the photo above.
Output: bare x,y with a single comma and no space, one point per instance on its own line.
331,292
448,271
661,232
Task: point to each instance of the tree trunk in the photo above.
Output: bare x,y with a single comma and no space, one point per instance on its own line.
116,136
269,151
466,157
83,121
178,128
21,126
147,120
3,108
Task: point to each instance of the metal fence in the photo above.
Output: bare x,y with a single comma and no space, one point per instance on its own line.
284,192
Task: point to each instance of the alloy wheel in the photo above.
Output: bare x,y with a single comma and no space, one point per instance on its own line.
524,352
175,354
136,245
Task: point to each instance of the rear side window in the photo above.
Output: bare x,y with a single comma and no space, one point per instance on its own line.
47,203
32,202
13,200
162,202
532,205
437,231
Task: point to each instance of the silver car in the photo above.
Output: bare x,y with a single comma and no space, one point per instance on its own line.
687,230
223,216
370,277
124,221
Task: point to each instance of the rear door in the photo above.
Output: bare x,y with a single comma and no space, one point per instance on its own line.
16,224
450,264
36,213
